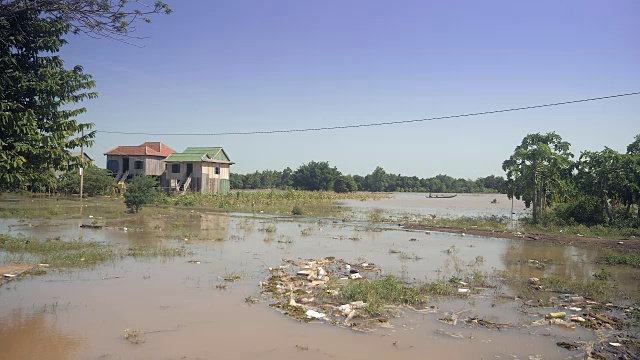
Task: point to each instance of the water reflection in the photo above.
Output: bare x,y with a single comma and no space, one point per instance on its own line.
35,336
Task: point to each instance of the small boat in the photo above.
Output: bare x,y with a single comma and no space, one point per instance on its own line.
441,196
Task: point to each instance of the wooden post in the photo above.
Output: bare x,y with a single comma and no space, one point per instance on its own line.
82,165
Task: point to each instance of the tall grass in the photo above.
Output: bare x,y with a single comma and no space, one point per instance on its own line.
312,203
391,291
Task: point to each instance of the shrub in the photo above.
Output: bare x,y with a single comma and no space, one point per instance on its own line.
586,210
297,210
344,184
140,191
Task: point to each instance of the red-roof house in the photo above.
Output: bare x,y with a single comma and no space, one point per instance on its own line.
144,159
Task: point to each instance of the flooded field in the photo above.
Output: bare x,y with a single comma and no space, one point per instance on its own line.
460,205
181,307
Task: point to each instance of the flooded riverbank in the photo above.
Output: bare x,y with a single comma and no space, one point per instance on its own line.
182,307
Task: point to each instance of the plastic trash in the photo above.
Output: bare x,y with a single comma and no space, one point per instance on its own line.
321,273
463,291
615,344
355,276
576,298
314,314
10,275
556,315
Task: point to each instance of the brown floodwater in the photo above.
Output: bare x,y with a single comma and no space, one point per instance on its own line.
82,314
420,203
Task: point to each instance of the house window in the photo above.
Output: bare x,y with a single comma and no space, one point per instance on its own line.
175,168
217,170
137,165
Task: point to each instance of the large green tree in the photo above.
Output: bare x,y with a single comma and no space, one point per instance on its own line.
315,176
37,93
539,171
36,97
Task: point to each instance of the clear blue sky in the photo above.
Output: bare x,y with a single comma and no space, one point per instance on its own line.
216,66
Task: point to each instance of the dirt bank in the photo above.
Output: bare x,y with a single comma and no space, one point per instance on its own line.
630,244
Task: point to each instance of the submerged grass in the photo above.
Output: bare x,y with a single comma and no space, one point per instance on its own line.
596,289
391,291
629,259
311,203
582,230
56,252
59,253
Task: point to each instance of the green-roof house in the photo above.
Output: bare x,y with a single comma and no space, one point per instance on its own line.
199,169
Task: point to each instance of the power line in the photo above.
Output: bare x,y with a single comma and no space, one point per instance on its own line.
374,124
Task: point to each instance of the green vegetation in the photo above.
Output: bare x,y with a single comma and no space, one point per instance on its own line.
597,289
311,203
345,184
297,210
600,189
614,258
36,132
96,182
391,291
378,181
37,113
140,191
57,253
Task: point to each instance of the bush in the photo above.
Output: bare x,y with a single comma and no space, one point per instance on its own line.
140,191
297,210
344,184
587,211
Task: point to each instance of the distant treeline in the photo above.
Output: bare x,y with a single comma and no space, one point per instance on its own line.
321,176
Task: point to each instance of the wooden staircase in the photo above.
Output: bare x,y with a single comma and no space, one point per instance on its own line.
122,176
185,184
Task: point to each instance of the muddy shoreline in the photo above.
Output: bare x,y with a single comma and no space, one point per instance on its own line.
628,244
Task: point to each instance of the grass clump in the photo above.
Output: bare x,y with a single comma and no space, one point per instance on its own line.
628,259
598,290
297,210
391,291
56,252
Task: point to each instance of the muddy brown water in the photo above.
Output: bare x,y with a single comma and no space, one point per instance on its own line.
82,314
461,205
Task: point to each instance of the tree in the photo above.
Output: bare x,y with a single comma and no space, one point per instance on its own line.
378,180
96,182
539,170
598,176
315,176
140,191
114,19
345,183
36,91
286,179
632,167
36,132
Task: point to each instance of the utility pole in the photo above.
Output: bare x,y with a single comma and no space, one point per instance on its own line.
82,166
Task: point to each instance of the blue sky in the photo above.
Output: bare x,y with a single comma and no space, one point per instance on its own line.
219,66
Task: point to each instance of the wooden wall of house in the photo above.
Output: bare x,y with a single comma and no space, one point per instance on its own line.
203,178
210,169
153,166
